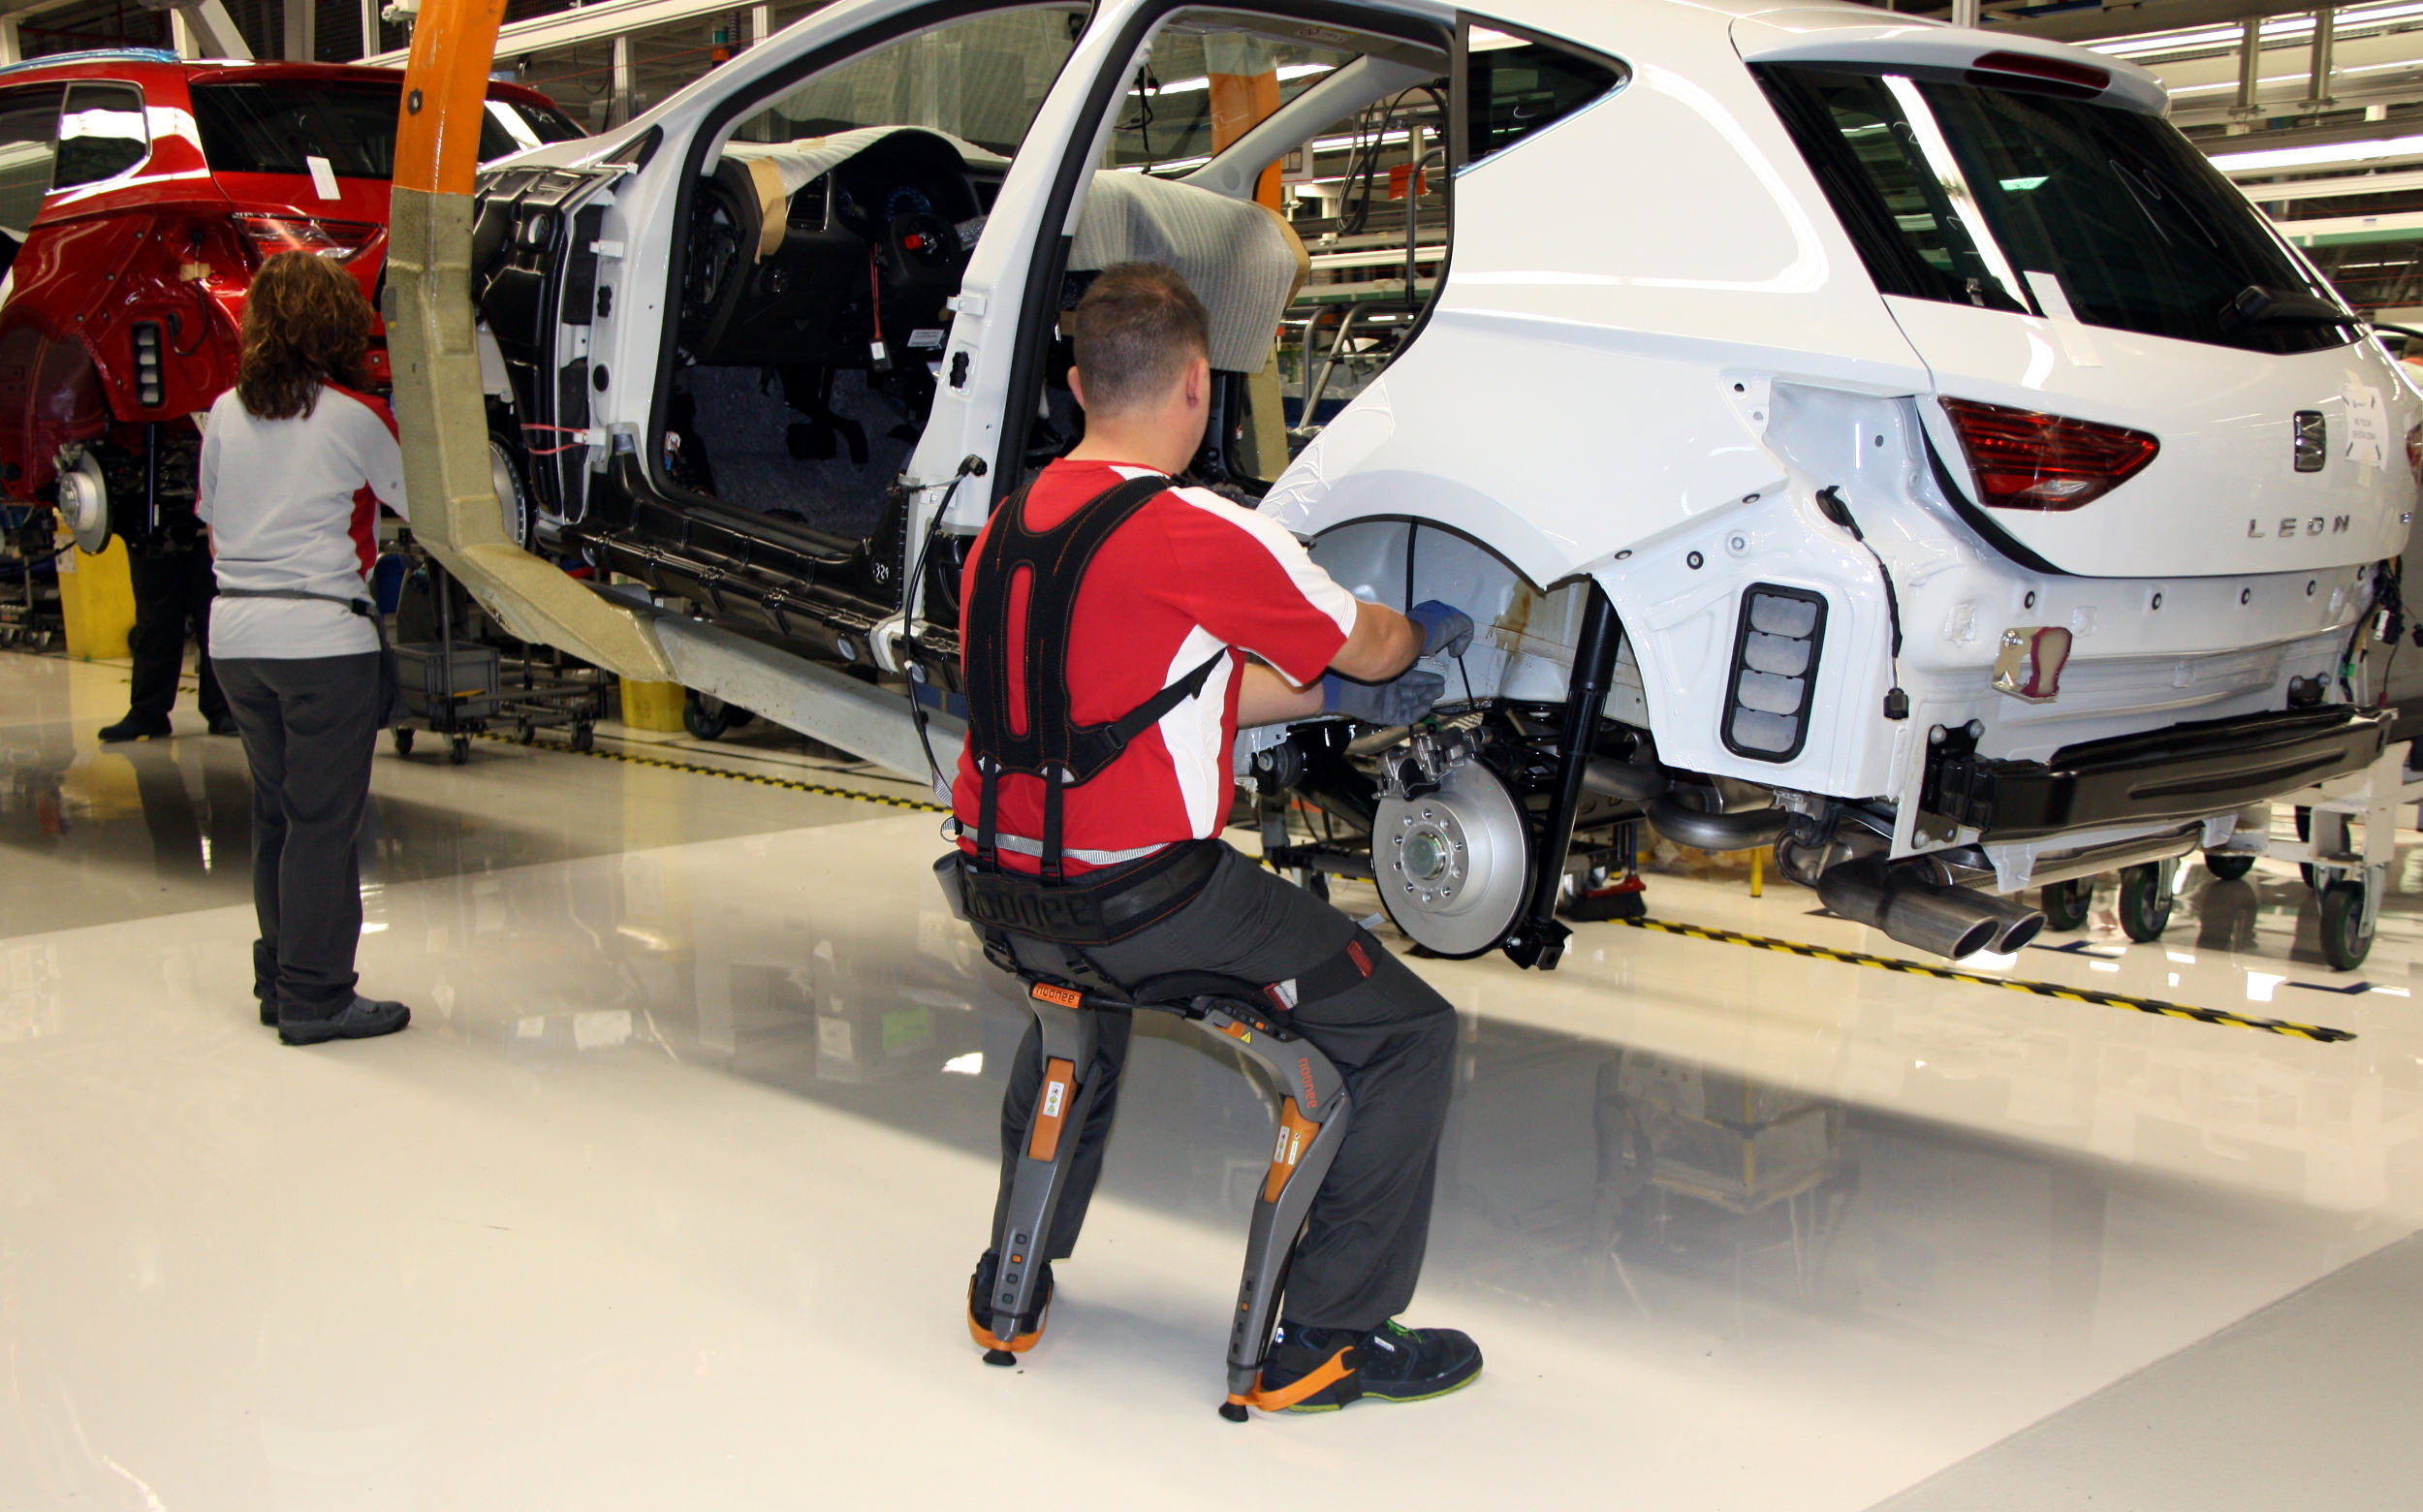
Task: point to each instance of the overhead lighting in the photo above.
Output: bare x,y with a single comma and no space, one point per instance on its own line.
2263,161
2284,28
1286,72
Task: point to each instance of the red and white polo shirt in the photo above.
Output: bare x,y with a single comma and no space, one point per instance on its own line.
1190,574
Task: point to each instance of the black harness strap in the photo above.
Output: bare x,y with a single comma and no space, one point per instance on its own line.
1052,747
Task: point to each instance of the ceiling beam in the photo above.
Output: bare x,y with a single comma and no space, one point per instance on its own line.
2128,20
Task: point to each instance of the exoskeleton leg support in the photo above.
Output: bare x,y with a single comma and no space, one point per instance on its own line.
1312,1117
1043,1167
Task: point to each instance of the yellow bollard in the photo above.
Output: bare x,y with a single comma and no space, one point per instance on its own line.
97,598
1758,873
652,706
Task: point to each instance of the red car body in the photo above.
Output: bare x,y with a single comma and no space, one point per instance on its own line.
123,302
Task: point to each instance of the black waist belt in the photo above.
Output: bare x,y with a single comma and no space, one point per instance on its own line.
1083,912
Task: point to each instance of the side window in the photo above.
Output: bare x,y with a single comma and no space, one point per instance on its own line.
1516,85
101,134
29,124
981,80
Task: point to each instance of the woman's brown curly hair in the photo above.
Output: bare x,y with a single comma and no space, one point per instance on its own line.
305,324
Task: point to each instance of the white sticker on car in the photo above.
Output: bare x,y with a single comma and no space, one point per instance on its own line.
2367,427
322,177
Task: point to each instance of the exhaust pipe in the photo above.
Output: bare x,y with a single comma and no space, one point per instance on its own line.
1741,829
2020,922
1909,907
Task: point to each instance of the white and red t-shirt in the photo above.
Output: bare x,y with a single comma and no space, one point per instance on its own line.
1188,575
294,504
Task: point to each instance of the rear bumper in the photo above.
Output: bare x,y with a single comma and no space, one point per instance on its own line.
2182,772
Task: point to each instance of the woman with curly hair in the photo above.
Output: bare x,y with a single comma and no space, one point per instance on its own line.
295,462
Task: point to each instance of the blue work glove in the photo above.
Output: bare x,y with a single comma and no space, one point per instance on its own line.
1400,702
1447,630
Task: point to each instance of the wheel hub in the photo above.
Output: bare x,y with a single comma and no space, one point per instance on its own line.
1453,864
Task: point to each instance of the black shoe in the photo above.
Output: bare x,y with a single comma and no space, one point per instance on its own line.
1320,1370
226,724
131,728
979,1324
361,1019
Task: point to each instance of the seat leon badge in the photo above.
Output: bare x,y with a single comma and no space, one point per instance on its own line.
2308,440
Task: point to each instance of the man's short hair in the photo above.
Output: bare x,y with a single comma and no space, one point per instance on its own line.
1136,329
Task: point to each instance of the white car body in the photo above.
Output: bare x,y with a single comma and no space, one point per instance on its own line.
1655,355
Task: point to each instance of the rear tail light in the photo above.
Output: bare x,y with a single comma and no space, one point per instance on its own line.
271,235
2027,460
1775,672
150,387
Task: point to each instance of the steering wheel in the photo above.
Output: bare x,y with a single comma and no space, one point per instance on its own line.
715,256
921,244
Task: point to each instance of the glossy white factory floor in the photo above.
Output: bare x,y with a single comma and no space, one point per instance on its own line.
668,1198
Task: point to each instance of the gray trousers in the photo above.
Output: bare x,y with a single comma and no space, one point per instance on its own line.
1391,1035
310,724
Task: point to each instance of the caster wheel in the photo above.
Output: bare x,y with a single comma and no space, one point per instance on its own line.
526,733
2345,941
583,738
999,1357
1317,883
705,718
2228,866
2305,831
2145,901
459,752
2064,904
403,742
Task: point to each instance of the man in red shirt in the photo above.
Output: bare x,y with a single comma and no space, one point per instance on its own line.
1189,617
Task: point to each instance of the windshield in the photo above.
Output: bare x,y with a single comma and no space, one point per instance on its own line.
278,128
2016,200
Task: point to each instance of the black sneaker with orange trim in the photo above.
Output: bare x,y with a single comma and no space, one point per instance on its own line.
1320,1370
998,1350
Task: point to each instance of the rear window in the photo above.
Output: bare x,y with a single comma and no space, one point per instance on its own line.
2010,199
278,128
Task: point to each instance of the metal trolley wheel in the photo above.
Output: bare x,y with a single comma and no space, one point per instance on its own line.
2145,900
402,737
2065,903
458,750
2228,865
2346,938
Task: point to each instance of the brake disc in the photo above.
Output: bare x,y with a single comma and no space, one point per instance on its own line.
1454,864
84,503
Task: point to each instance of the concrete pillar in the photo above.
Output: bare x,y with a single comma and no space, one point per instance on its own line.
302,30
369,27
11,46
1965,12
761,23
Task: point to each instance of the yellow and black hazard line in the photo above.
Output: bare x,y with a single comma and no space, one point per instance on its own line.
787,784
2075,995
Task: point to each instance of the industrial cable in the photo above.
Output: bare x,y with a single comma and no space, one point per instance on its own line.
970,466
2075,995
1831,505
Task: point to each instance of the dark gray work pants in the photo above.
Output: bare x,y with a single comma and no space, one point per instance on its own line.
309,725
169,591
1392,1037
